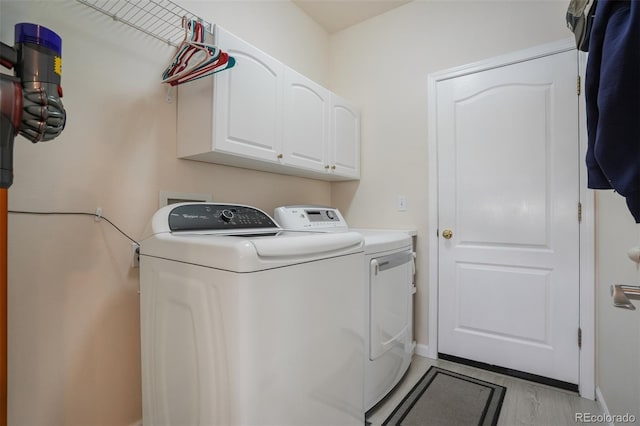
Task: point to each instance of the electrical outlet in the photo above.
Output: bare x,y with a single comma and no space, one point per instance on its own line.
402,203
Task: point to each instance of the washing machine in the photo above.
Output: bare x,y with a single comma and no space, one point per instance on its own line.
389,270
243,323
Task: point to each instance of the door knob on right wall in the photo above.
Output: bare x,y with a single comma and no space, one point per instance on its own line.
621,295
634,254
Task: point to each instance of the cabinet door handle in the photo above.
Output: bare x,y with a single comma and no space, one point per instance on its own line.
333,167
326,167
280,156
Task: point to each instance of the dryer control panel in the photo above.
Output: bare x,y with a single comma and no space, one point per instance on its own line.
310,218
217,217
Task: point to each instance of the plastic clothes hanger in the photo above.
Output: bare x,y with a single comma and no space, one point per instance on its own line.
194,58
192,54
182,48
225,62
212,54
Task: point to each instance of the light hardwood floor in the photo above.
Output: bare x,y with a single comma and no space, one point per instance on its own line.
525,403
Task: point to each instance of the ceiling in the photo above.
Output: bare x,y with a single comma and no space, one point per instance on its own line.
336,15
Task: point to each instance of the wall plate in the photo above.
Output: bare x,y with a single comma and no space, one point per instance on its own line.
169,197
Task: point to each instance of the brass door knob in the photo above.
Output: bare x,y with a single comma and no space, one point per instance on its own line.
447,234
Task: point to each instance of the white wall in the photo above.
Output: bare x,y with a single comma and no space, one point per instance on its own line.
74,351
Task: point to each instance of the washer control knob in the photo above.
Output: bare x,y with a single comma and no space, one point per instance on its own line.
226,215
331,215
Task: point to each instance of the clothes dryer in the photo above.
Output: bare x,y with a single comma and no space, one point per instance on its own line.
389,270
243,323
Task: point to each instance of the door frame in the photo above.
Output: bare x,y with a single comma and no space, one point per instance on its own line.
586,226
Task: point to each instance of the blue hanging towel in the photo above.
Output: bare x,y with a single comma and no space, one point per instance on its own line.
612,92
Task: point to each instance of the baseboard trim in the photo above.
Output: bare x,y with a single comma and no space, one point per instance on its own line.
603,406
422,350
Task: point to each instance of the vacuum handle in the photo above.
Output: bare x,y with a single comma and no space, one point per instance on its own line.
7,135
8,56
10,119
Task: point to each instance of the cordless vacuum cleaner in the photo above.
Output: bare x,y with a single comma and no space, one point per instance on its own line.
29,105
30,102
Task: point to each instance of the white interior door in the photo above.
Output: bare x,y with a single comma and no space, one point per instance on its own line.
508,188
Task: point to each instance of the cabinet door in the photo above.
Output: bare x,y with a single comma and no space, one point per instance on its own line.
344,155
248,101
307,107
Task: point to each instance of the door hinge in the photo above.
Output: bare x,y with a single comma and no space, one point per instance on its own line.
578,88
579,212
579,338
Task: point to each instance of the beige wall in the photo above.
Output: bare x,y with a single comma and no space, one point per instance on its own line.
618,330
74,351
74,331
383,64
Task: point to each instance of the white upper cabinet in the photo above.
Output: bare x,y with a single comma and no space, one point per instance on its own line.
307,110
248,101
263,115
344,153
235,112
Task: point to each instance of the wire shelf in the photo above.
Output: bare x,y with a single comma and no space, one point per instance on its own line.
161,19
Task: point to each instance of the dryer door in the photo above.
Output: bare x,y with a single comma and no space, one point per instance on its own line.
391,282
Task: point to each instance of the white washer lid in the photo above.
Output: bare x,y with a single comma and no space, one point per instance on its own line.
250,253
